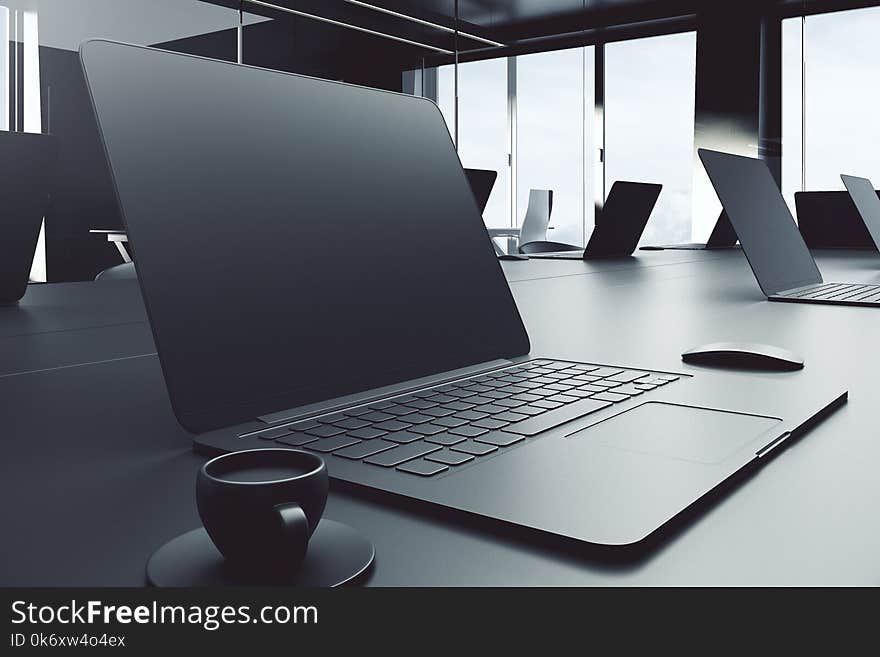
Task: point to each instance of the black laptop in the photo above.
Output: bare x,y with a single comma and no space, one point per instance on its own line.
723,236
830,220
481,182
621,223
27,167
400,356
775,249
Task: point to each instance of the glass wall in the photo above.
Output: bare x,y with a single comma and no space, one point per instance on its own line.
649,125
532,118
483,128
830,99
554,108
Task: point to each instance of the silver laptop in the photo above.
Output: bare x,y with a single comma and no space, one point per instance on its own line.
774,246
399,354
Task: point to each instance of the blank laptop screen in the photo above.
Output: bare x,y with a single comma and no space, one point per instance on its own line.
296,240
767,232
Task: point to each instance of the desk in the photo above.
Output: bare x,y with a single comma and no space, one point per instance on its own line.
96,472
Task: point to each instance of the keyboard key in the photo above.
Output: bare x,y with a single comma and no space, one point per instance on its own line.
477,400
478,389
605,372
499,438
458,405
559,376
440,399
468,430
423,468
365,449
402,437
303,425
581,394
427,429
535,425
644,386
376,416
654,381
415,418
438,411
446,439
591,387
449,421
628,376
610,397
474,448
378,406
392,425
543,380
490,423
471,415
560,399
397,409
509,403
325,431
497,394
331,444
367,433
511,416
667,377
584,368
629,390
546,403
585,378
297,439
405,399
605,384
356,412
557,365
351,423
421,404
531,410
272,434
402,454
491,409
527,397
448,457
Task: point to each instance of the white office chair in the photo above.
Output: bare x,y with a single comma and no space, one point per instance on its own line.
535,224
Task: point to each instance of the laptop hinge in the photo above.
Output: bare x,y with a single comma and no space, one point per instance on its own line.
331,405
773,444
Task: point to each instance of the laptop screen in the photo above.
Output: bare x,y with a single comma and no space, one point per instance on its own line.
762,221
868,204
296,240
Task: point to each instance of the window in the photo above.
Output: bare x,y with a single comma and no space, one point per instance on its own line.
483,135
837,102
649,125
554,110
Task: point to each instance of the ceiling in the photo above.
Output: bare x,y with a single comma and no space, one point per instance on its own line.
512,22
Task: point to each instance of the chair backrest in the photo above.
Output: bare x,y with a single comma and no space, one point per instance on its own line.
537,219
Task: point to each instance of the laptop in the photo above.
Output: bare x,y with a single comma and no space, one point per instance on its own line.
830,220
481,182
722,237
620,225
27,164
401,358
865,198
775,249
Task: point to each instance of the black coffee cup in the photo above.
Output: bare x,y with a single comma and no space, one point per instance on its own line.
261,506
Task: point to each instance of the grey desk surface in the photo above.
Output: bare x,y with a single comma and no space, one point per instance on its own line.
96,472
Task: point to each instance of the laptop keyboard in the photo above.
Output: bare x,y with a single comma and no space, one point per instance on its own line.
840,292
428,432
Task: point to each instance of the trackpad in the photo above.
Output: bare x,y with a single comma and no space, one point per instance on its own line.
688,433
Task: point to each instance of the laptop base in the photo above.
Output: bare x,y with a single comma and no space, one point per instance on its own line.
849,294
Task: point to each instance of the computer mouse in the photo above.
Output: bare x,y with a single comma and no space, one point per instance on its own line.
513,256
746,355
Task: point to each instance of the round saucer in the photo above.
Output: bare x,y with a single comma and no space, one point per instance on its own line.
337,555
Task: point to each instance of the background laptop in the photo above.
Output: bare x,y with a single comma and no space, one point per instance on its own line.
620,225
830,220
403,360
865,198
481,182
775,249
27,167
722,237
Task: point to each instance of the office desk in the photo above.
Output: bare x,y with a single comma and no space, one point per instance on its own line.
96,472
